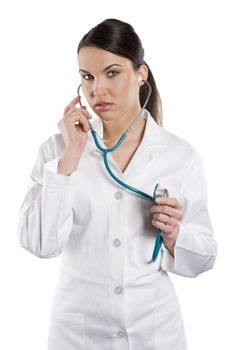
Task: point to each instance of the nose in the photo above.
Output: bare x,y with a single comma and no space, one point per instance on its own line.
99,87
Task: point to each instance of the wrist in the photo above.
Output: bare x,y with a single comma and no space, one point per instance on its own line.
170,240
68,163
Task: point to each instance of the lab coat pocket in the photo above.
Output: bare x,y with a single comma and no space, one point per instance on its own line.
66,331
169,328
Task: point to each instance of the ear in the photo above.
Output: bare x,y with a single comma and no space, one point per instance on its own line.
142,74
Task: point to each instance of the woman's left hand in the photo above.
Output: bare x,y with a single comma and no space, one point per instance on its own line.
167,214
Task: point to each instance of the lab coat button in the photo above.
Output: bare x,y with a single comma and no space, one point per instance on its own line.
121,334
118,195
118,290
116,242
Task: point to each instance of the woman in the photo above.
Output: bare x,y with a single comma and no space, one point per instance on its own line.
109,294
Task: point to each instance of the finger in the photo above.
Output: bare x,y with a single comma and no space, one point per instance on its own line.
166,219
83,122
169,211
82,111
84,108
164,228
72,103
78,119
173,202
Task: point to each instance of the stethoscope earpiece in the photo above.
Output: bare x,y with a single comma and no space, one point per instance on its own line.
78,93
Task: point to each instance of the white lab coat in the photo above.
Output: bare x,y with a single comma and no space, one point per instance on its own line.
109,296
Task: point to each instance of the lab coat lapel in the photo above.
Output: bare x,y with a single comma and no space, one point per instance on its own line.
150,146
152,142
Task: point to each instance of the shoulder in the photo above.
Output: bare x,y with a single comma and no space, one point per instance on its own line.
167,141
183,150
179,143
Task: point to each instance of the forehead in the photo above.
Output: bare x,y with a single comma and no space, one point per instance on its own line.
96,59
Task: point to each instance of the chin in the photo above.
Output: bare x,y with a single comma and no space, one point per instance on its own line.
106,116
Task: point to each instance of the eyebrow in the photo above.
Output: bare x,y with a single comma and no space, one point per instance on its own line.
111,65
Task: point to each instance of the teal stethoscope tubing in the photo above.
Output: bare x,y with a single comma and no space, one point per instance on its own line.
158,241
105,151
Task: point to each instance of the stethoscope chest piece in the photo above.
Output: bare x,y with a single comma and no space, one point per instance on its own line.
160,192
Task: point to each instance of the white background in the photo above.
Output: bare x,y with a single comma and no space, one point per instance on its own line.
188,46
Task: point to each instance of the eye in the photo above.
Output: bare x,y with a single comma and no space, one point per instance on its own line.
112,73
87,76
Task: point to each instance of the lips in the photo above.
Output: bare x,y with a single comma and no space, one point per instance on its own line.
103,106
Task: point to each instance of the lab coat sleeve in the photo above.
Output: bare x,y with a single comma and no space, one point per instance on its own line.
195,249
46,216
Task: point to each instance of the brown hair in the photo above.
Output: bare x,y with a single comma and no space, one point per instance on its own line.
121,39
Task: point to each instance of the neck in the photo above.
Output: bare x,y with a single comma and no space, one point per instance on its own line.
113,130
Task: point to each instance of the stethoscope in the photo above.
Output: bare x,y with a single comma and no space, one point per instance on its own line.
158,190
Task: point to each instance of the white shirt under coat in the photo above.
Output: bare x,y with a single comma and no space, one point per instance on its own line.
109,296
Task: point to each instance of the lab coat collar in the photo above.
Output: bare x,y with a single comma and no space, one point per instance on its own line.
152,141
153,135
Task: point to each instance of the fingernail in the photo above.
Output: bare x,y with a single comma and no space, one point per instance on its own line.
158,200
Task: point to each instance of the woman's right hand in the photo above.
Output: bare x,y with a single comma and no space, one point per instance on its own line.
74,135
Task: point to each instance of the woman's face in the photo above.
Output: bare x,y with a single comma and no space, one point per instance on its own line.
109,82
